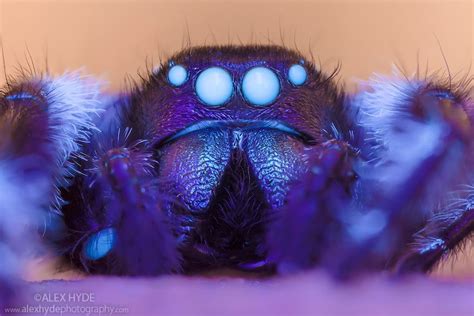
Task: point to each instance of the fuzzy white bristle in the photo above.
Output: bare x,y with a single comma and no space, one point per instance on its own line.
383,103
400,142
397,138
74,101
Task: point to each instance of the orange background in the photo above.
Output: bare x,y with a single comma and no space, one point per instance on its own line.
114,38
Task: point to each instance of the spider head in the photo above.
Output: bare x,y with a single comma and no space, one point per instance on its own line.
205,103
268,84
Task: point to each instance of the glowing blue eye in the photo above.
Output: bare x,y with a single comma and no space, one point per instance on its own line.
297,75
260,86
177,75
214,86
99,244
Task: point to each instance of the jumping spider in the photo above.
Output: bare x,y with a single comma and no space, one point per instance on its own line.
247,157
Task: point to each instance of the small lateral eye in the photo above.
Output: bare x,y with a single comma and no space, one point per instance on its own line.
177,75
214,86
260,86
297,75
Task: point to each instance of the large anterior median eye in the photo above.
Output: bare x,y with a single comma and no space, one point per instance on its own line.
214,86
260,86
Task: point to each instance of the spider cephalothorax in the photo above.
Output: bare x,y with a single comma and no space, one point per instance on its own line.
228,134
245,157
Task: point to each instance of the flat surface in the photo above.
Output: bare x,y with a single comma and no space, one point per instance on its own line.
311,293
228,292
